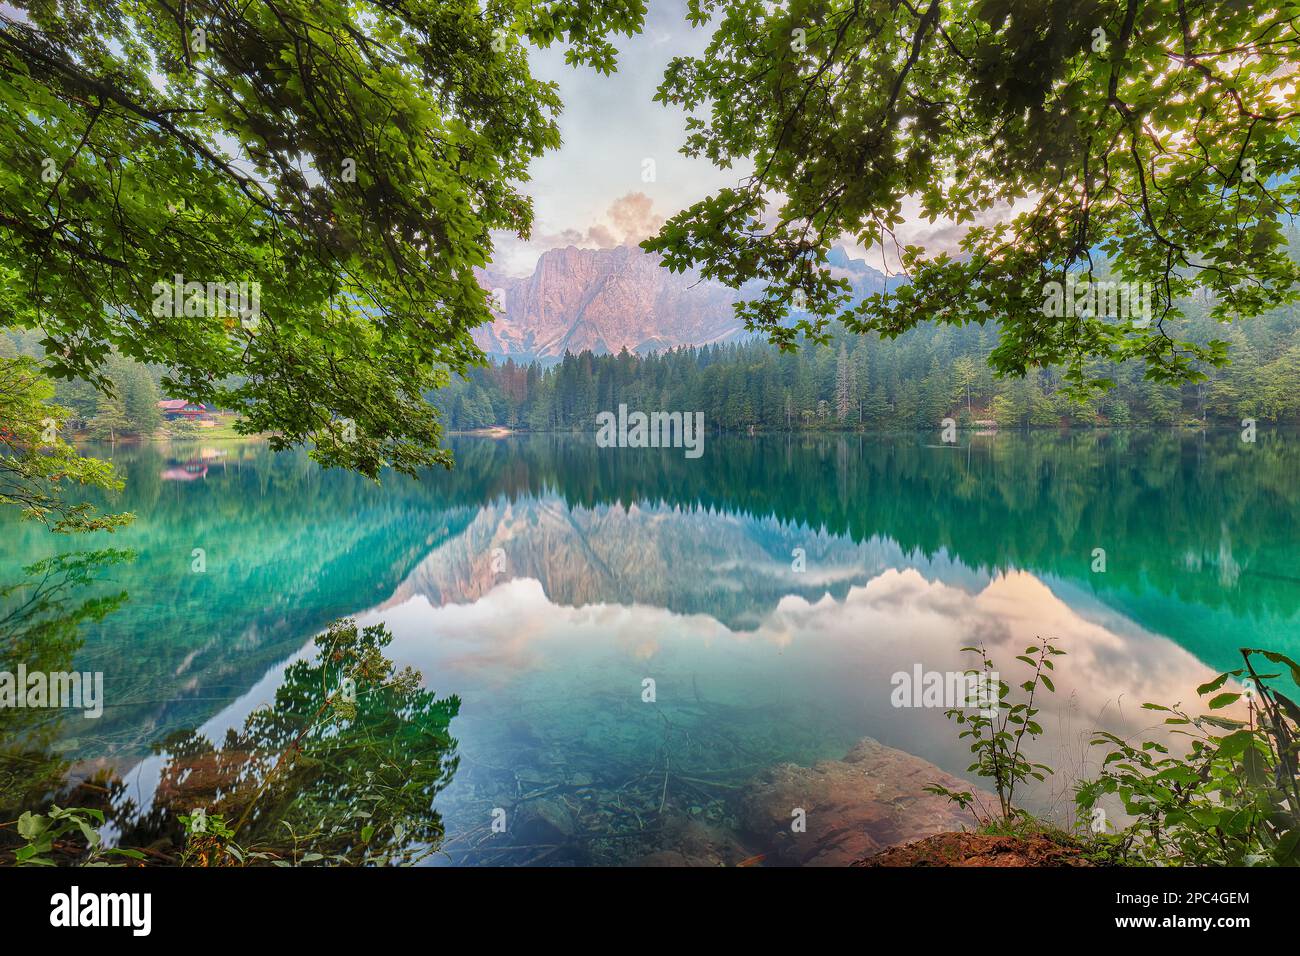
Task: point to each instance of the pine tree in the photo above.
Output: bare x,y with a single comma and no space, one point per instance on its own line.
846,386
140,400
964,375
110,419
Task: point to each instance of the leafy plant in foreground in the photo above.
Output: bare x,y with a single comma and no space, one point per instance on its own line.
43,832
1233,799
997,733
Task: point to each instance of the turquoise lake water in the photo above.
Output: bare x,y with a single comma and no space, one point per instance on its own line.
769,590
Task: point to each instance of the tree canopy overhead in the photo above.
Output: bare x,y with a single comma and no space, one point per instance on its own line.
1157,136
343,160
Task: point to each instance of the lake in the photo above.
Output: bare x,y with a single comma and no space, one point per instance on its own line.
633,636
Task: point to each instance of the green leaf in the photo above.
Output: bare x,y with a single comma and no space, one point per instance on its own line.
1287,851
31,824
1213,685
1235,743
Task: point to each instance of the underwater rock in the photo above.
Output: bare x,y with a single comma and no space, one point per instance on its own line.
852,808
694,843
546,820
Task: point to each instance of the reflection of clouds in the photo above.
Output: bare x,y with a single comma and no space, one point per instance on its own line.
828,661
832,656
898,619
815,574
1104,676
513,627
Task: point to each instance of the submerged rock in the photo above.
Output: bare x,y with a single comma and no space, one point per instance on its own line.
546,820
852,808
694,843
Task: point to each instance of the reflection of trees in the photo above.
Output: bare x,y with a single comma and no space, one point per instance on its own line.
40,627
289,548
349,774
346,763
1158,501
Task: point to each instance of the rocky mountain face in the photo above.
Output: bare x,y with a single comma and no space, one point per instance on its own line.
606,300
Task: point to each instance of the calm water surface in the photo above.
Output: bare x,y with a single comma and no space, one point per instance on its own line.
544,581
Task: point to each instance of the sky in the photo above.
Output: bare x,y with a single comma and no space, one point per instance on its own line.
591,192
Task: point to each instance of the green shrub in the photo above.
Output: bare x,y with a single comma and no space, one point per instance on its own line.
1233,799
997,735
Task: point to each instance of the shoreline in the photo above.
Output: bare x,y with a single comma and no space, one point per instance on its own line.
497,432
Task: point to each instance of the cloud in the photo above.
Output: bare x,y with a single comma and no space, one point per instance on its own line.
947,238
634,216
626,221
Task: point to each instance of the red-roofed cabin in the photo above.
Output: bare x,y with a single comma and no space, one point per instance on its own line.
174,408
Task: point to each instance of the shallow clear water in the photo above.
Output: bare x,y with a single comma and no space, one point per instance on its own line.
545,580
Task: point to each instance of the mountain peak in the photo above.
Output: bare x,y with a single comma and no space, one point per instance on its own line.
622,297
604,300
